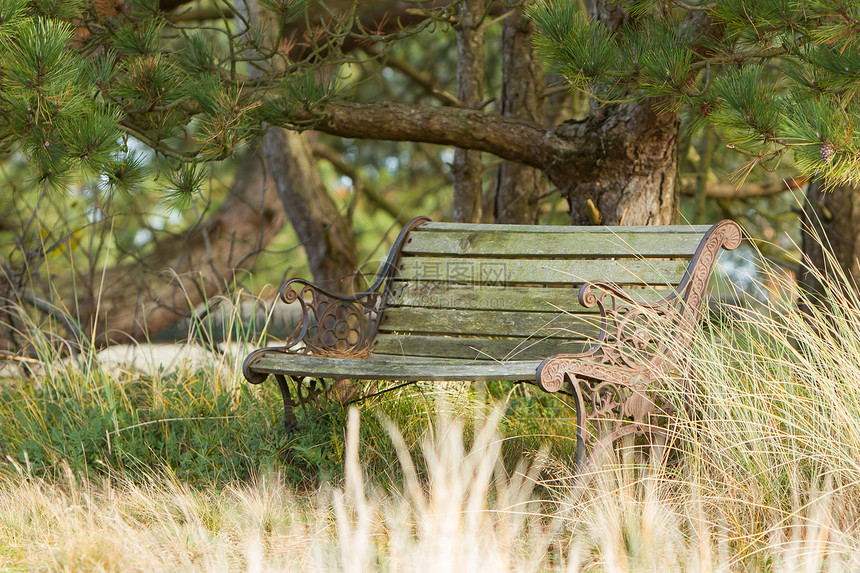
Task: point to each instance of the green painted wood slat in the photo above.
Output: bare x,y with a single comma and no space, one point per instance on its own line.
395,368
445,227
503,272
475,348
491,297
541,244
491,323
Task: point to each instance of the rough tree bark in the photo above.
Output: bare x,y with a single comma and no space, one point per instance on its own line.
624,157
467,165
632,179
635,168
325,233
517,186
617,166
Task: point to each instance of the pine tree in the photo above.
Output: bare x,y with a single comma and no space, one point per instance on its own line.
79,78
82,81
772,76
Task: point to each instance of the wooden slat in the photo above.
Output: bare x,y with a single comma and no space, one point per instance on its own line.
404,368
476,348
446,227
539,243
490,323
489,297
502,272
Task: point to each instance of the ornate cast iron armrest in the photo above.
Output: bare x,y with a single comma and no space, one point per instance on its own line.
691,290
589,299
633,334
332,324
627,343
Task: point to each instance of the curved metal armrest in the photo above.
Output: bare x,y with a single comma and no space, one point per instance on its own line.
339,324
323,311
589,299
629,344
633,333
617,314
691,289
249,374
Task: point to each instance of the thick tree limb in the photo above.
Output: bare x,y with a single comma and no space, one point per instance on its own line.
593,159
508,138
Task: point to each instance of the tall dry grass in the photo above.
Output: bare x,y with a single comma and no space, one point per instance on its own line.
468,515
766,479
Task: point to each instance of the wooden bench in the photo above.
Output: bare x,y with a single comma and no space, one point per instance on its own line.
472,302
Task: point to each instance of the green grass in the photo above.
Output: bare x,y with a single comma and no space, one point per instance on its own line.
208,426
103,424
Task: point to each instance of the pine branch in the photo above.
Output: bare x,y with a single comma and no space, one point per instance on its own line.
692,7
738,58
200,14
721,190
157,146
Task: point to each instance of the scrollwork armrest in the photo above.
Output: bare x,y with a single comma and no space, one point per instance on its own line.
632,325
332,324
589,299
630,340
341,325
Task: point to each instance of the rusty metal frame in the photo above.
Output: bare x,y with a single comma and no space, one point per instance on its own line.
332,324
308,393
619,371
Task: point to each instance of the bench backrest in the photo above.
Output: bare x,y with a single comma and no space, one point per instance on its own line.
509,292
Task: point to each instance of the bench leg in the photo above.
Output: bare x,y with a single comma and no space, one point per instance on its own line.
580,426
579,406
290,422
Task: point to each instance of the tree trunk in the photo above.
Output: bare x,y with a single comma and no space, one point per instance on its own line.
325,233
517,185
830,232
634,175
467,165
138,300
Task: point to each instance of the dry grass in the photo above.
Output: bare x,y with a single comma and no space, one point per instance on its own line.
266,525
768,480
469,516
